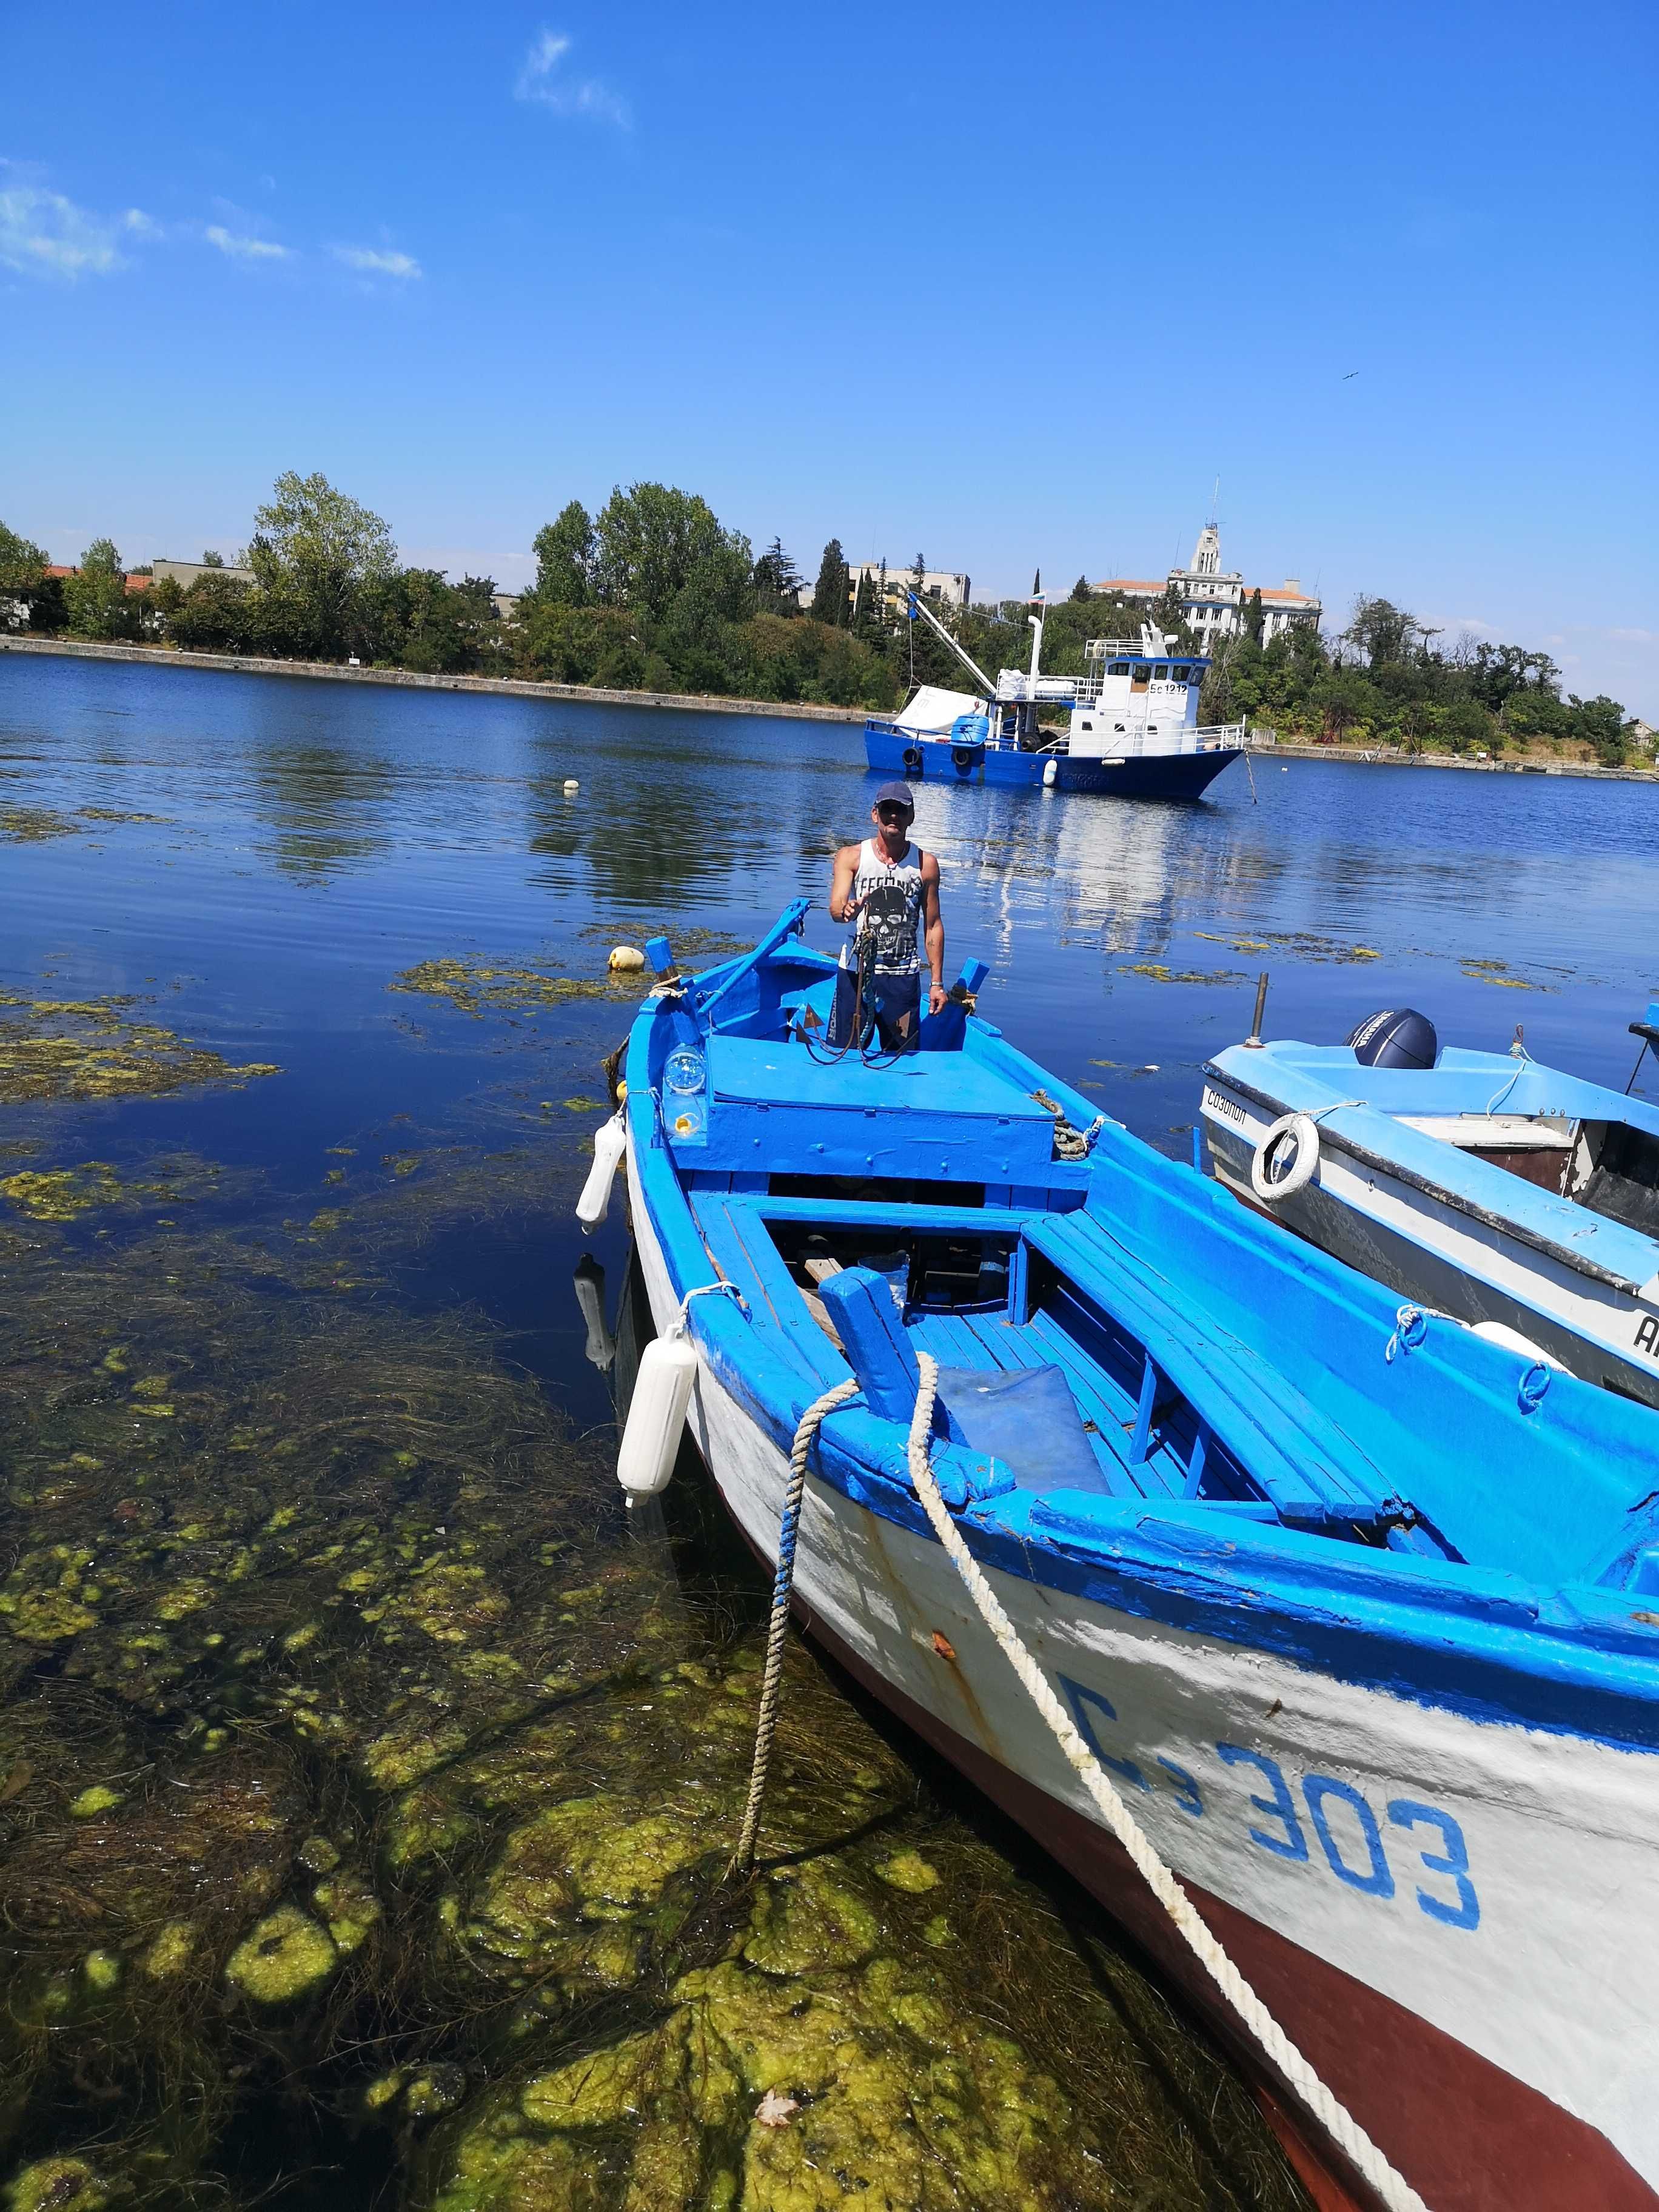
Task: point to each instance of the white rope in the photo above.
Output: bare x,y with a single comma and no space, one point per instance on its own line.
743,1859
1356,2146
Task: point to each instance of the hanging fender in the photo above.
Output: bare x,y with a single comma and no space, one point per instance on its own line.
1300,1133
913,762
609,1143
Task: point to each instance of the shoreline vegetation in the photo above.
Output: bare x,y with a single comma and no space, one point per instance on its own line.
654,601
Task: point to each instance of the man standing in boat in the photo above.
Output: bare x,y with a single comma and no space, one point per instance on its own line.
890,888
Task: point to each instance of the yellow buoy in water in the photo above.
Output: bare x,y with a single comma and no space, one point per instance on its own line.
626,960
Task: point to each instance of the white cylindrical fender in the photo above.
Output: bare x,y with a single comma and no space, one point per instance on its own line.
1500,1332
1050,774
656,1416
609,1143
1304,1159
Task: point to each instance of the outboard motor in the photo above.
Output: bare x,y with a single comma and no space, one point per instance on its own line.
1401,1037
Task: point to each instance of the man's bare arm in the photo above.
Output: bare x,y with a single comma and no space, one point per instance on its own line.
842,905
933,931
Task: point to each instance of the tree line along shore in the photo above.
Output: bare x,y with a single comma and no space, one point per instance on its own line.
653,594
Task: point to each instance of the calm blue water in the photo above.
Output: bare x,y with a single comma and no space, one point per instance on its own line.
321,837
312,841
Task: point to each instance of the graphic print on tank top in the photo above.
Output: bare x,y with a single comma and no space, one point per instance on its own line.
890,909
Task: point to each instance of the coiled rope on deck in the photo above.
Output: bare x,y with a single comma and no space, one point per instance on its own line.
743,1859
1356,2146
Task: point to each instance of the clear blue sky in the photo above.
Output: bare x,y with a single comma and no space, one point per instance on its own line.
1010,286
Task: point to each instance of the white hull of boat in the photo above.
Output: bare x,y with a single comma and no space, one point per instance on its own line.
1462,2013
1442,1255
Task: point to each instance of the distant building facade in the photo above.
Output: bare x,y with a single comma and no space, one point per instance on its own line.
185,573
943,585
1213,600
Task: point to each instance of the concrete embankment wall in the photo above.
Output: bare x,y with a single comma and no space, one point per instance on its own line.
1291,749
242,664
704,703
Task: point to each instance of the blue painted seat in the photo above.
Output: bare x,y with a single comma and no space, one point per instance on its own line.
1026,1418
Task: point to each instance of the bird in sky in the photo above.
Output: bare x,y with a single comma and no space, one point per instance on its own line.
1351,375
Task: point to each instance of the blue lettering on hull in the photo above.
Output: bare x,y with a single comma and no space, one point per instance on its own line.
1353,1848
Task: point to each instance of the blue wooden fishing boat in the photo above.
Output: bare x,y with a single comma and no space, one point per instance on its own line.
1521,1199
1355,1611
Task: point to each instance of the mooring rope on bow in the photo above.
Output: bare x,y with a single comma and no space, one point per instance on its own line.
743,1859
1392,2189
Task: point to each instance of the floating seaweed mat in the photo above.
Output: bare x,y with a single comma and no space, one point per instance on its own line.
63,1049
366,1785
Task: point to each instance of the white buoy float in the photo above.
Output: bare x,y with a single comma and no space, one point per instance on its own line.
626,960
1050,774
662,1392
609,1143
571,784
656,1414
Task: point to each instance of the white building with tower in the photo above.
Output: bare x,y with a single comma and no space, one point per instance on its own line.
1213,600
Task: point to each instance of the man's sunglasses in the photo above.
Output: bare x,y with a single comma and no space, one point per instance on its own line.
894,812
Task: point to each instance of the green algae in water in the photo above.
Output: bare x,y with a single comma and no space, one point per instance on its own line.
476,986
64,1194
429,1774
63,1048
33,825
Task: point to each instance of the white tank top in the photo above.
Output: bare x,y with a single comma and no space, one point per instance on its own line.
893,914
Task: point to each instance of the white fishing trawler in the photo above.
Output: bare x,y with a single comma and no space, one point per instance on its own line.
1133,726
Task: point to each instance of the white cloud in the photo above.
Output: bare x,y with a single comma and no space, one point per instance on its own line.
242,248
44,234
142,225
376,264
540,80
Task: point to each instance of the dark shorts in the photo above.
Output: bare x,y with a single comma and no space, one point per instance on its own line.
895,1001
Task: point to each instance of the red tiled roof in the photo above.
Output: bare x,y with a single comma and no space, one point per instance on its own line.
133,583
1129,583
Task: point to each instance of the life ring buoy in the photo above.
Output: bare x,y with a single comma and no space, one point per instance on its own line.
913,759
1302,1132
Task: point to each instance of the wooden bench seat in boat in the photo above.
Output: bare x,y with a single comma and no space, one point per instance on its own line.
1311,1469
782,1109
1133,1361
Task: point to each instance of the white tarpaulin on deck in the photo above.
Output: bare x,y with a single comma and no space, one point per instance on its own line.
932,710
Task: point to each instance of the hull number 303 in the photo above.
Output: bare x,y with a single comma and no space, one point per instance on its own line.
1424,1842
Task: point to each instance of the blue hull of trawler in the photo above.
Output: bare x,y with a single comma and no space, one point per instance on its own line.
894,751
1362,1612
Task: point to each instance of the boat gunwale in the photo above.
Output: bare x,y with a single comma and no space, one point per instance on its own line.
1390,1164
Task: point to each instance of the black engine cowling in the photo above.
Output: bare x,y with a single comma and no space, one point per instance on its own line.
1399,1037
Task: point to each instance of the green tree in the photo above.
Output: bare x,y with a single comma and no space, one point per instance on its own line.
650,541
1380,630
212,560
777,583
217,614
564,559
1600,722
319,556
1254,620
1080,589
23,581
830,592
97,595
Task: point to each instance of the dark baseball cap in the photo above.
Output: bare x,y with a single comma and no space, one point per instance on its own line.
896,794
